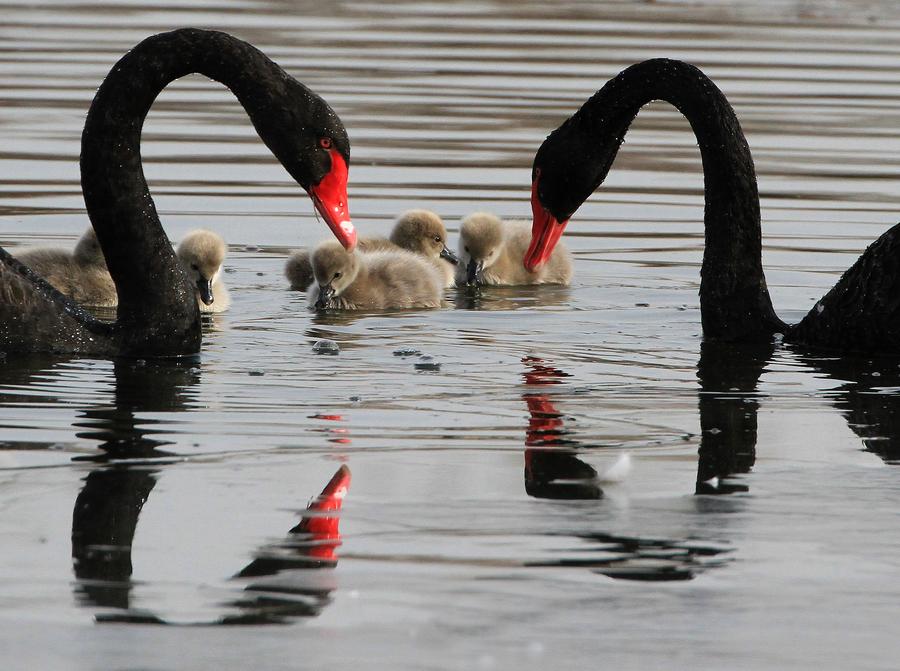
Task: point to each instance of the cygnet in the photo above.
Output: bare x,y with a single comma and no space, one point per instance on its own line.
378,280
491,252
202,253
80,274
418,231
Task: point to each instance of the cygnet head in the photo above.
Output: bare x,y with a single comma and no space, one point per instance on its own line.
87,250
335,269
201,253
423,232
480,242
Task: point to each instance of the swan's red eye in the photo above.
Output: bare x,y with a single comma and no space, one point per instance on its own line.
325,142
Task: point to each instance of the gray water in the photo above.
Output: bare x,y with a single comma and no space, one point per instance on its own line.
749,519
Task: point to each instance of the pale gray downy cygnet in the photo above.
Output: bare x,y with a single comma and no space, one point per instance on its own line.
80,274
491,252
376,280
419,231
202,253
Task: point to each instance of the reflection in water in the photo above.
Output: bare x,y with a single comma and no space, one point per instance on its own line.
868,400
291,590
646,559
107,509
103,523
552,471
140,386
508,298
729,374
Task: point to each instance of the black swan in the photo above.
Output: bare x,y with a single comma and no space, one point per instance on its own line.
861,313
157,313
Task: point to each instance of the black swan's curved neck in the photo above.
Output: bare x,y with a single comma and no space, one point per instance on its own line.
151,285
735,301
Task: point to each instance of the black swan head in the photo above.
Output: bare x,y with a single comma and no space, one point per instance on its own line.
308,138
565,173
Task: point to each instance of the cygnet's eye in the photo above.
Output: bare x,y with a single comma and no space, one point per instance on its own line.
437,238
467,249
194,266
325,142
337,274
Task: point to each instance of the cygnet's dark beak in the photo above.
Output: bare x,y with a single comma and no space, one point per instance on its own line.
204,288
326,293
447,255
474,272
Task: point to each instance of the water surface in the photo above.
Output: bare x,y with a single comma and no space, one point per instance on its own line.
754,528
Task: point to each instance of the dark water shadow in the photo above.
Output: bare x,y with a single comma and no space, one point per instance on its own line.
728,402
131,458
22,374
552,467
288,579
869,399
107,508
646,559
553,470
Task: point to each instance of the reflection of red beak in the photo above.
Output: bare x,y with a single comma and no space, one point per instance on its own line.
545,232
330,199
544,425
322,519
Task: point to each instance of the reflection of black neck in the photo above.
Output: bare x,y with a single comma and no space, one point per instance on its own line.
161,385
106,511
103,523
728,377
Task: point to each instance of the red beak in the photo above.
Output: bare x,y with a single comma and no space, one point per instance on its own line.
330,199
545,232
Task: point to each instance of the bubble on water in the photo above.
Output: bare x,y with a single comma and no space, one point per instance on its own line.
427,362
326,346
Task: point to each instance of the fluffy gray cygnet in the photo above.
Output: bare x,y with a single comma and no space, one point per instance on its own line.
418,231
491,252
379,280
82,274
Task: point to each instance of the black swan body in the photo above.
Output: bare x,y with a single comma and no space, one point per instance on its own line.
860,314
157,313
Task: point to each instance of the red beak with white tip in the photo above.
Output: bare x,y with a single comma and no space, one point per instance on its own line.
330,199
545,232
